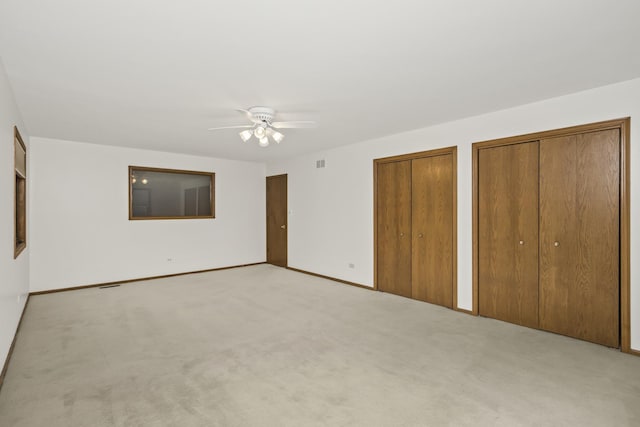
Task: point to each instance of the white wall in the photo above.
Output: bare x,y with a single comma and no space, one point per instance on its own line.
81,234
331,209
14,274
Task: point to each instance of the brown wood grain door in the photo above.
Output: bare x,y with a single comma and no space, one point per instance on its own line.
432,229
508,233
579,236
277,220
393,209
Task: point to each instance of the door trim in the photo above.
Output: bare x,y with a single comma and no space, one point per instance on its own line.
411,156
623,125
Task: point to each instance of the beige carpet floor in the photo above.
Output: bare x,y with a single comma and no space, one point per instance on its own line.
264,346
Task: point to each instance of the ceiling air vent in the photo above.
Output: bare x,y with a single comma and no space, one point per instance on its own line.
319,164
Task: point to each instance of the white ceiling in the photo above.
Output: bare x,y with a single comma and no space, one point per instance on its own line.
156,74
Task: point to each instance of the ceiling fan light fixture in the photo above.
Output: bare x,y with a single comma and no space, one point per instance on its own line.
246,135
260,131
263,126
277,136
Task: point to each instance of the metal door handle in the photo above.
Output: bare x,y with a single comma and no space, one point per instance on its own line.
420,235
556,244
401,234
283,226
521,242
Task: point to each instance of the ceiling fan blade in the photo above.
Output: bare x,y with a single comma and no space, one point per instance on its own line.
232,127
295,124
249,115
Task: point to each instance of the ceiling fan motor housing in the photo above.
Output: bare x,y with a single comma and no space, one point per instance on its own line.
263,114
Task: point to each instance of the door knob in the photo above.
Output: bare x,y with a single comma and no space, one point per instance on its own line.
401,234
556,244
420,235
521,242
283,226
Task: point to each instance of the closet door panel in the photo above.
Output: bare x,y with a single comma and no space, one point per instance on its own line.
432,223
579,236
508,233
393,208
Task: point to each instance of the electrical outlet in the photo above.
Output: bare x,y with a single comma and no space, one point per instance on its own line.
169,259
352,265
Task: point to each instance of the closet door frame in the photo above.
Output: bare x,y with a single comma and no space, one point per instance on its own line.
453,151
623,125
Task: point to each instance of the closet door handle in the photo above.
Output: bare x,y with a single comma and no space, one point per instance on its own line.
420,236
401,234
556,243
521,242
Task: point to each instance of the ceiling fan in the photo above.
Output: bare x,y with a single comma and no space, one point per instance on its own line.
263,126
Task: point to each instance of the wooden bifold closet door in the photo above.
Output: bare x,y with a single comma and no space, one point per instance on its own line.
394,227
432,226
548,234
579,236
508,233
415,227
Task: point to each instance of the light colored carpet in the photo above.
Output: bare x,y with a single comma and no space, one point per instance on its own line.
264,346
